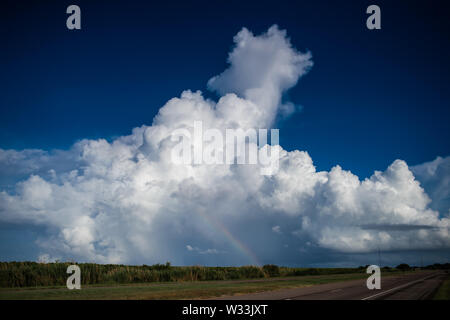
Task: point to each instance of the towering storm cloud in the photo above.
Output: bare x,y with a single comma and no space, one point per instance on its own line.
126,201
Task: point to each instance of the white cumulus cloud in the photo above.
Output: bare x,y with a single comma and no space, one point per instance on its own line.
126,201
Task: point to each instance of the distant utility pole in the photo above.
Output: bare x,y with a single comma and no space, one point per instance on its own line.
379,257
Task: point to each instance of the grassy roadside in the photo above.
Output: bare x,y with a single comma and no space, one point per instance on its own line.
443,292
173,290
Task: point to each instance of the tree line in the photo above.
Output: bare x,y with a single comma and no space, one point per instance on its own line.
30,274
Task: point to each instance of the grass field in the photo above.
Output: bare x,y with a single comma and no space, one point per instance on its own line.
31,280
173,290
32,274
443,292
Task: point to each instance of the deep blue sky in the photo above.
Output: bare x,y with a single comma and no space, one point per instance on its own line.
372,96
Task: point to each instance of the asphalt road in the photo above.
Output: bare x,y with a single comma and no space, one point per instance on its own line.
413,286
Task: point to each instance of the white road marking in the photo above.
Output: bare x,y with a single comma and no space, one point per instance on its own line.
397,288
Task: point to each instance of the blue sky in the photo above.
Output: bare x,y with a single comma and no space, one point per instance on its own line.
371,97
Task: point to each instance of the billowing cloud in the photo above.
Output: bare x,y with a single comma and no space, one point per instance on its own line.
261,69
126,201
434,176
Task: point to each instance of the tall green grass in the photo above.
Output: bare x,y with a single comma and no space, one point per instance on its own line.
443,293
27,274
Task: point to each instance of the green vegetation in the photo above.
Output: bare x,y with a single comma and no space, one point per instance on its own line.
443,292
172,290
403,267
32,274
271,270
438,266
30,280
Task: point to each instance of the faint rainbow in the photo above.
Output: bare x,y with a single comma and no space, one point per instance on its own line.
239,245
